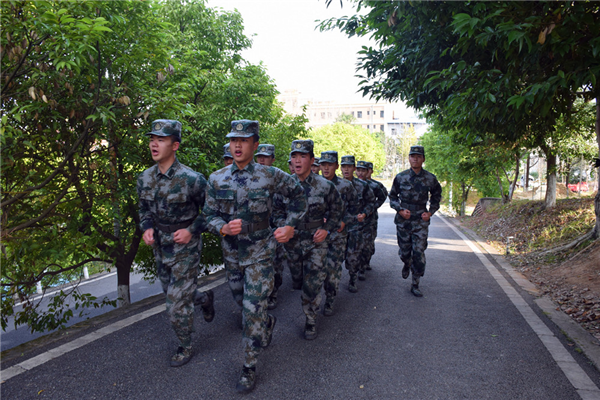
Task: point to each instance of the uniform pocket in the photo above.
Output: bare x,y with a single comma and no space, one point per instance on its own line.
225,202
259,201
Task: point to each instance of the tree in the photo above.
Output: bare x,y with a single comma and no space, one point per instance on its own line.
349,140
346,118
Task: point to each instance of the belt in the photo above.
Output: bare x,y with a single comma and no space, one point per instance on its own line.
257,226
309,225
413,207
170,228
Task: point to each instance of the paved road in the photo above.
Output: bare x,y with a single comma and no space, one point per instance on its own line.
475,335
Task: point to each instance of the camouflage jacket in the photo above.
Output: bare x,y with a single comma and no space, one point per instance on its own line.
324,202
247,194
366,201
171,198
412,192
380,193
350,198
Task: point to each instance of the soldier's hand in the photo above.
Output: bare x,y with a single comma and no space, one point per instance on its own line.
182,236
149,237
361,217
233,227
284,234
319,235
342,227
426,216
404,214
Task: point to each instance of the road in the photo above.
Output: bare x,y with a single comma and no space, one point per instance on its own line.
474,335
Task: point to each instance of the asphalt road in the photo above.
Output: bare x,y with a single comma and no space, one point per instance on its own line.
474,335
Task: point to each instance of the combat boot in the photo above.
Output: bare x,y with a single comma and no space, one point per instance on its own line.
297,285
414,289
352,288
208,307
270,329
247,380
182,356
361,275
369,268
328,309
272,303
406,270
310,330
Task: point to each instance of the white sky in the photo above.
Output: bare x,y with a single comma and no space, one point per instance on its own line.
320,65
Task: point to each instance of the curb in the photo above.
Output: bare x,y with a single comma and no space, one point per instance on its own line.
571,329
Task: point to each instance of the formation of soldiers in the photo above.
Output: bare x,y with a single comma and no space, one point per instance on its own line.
269,220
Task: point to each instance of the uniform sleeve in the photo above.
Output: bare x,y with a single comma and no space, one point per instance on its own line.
146,221
214,221
436,196
369,200
380,195
198,197
384,191
296,199
278,213
336,209
351,206
395,195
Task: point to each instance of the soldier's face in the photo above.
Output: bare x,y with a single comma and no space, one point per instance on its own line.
315,169
291,167
227,161
162,148
265,160
302,163
369,173
242,149
328,170
361,173
348,171
416,161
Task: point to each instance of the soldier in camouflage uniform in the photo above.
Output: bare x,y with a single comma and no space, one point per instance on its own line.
364,169
338,239
316,167
355,260
171,196
265,155
227,157
411,191
238,207
307,251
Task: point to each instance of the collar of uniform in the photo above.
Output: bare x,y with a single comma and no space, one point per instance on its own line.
413,173
170,172
250,167
335,179
310,178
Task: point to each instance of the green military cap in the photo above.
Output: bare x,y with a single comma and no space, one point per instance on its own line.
243,128
266,150
166,127
417,150
329,157
369,165
361,164
226,152
302,146
347,160
316,163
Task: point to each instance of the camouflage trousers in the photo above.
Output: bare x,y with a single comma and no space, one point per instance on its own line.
369,232
412,240
177,270
250,286
354,251
307,262
335,257
279,263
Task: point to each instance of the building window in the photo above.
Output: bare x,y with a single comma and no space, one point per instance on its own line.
358,114
353,113
322,115
368,126
381,128
368,112
381,114
328,115
393,131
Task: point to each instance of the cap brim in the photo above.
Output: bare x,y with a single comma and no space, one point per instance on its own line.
240,135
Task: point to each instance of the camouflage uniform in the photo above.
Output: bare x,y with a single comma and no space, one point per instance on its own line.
246,194
338,240
355,257
370,229
169,202
411,191
307,259
226,152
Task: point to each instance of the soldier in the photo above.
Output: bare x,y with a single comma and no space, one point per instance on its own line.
355,261
364,170
227,157
307,251
409,195
171,196
315,167
238,207
338,239
265,154
290,166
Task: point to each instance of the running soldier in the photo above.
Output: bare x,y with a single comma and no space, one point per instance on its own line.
171,196
227,157
411,191
316,167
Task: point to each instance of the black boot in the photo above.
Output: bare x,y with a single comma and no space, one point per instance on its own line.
208,307
247,380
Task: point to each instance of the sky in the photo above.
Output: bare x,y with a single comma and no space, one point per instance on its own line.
320,65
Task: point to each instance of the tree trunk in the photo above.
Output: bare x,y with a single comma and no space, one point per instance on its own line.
596,233
526,176
465,196
502,194
550,200
513,184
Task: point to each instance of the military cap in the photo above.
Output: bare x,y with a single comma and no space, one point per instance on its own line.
316,163
302,146
226,152
369,165
417,150
166,127
329,157
266,150
243,128
347,160
361,164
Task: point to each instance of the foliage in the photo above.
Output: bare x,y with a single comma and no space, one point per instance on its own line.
349,140
346,118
